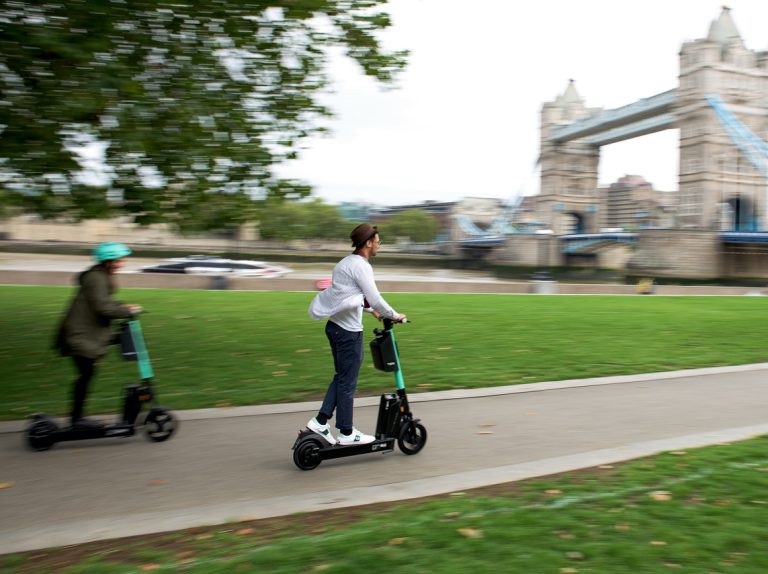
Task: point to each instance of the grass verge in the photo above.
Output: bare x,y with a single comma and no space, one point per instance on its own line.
226,348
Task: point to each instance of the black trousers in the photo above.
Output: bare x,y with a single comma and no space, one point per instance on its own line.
86,368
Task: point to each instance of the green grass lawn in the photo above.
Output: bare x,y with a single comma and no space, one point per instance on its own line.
696,512
222,348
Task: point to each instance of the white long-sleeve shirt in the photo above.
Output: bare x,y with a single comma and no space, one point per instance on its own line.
342,302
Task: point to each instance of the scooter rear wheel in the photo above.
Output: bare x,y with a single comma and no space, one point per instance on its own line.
160,424
40,434
412,437
306,454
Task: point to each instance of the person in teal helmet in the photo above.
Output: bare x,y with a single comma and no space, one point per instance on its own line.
85,333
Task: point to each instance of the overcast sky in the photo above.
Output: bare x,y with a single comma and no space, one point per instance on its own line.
465,118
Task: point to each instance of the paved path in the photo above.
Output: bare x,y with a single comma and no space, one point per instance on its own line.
232,464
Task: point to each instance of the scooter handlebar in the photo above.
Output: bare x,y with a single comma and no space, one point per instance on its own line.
389,322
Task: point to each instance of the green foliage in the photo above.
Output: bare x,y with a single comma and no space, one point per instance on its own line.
292,220
187,98
412,224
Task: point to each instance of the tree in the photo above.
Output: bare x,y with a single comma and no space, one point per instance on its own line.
293,220
184,98
412,224
325,222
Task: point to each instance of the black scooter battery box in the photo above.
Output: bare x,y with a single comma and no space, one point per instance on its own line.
389,413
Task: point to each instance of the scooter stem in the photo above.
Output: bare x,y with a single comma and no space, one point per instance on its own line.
399,379
145,366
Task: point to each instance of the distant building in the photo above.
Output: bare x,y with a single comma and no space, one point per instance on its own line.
354,211
632,203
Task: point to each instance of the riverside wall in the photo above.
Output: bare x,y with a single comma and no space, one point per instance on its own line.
161,281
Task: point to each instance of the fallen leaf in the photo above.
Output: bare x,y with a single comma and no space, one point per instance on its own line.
470,532
623,526
223,405
397,541
244,531
8,484
458,493
660,495
574,555
158,482
484,432
553,491
605,466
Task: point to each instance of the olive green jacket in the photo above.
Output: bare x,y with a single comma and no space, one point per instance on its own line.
85,329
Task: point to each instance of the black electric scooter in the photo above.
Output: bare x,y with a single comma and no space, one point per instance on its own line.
160,424
395,421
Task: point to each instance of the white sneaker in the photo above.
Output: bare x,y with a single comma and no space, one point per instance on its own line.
356,437
323,430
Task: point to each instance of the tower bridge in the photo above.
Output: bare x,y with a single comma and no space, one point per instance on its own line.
720,108
716,174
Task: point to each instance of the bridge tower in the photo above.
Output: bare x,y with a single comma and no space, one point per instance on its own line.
568,200
719,188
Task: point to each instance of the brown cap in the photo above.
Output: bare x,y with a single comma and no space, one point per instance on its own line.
362,233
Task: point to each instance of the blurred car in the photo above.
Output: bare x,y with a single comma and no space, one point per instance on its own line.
211,265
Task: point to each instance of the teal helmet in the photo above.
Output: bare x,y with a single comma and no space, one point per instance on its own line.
110,250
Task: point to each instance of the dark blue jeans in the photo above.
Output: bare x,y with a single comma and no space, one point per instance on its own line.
347,350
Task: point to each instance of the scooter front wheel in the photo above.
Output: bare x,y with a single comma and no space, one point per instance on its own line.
412,437
160,424
306,454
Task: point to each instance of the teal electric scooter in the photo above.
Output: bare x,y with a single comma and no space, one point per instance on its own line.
395,422
159,425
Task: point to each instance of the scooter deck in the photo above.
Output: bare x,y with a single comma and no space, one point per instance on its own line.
74,433
329,451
